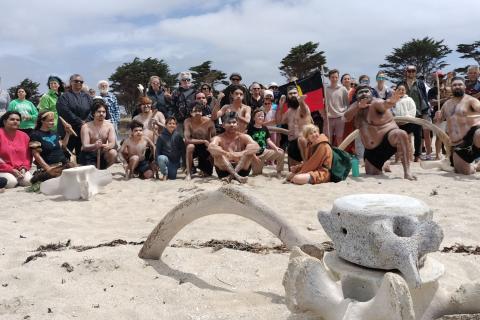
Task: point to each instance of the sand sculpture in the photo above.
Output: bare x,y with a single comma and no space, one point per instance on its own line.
326,286
77,183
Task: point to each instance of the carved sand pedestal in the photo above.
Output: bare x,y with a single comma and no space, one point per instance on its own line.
77,183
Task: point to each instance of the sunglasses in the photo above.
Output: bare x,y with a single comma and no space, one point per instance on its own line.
256,88
411,71
235,79
381,78
78,81
187,80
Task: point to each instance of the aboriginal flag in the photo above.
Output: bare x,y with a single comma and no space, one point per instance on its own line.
312,87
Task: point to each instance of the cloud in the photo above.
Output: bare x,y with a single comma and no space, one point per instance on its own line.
249,36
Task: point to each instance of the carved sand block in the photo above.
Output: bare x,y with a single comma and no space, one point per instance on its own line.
383,231
77,183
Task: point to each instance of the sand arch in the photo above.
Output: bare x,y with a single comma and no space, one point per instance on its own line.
226,200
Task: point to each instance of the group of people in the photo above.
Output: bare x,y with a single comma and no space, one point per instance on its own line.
238,131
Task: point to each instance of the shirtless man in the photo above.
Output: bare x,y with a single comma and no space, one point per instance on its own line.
132,153
153,121
462,113
243,111
198,131
297,116
379,133
98,136
232,151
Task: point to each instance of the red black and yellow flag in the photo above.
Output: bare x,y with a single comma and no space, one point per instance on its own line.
312,87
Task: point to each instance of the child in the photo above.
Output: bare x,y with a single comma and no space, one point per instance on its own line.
133,150
170,148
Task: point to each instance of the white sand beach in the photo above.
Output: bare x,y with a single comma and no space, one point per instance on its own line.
191,283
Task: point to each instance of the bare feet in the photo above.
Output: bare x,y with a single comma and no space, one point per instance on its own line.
241,179
188,177
410,177
386,167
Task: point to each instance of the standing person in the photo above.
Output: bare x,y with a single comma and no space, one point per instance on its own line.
98,138
48,149
4,99
256,98
170,149
232,150
199,130
405,107
202,98
235,81
473,82
133,151
462,113
336,97
314,169
384,92
159,95
268,150
74,106
206,89
433,94
417,91
48,102
182,99
243,111
153,121
15,156
346,81
296,117
26,108
379,133
273,86
112,104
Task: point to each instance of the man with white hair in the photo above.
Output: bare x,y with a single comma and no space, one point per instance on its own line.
111,102
472,83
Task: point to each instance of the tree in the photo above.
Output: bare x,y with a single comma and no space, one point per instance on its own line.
31,88
203,73
469,51
426,54
129,75
302,60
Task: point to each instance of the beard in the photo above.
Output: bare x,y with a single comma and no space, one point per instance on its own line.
458,93
293,103
103,92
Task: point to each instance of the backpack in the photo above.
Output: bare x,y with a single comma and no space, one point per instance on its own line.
341,164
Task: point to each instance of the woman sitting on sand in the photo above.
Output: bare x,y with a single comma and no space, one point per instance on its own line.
47,148
314,169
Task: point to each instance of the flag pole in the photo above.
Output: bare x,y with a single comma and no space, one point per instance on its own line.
326,105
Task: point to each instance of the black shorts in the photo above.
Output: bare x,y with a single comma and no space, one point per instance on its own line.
204,159
142,167
467,150
381,153
222,174
90,158
294,151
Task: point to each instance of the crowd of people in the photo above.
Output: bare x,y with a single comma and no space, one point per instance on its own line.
238,131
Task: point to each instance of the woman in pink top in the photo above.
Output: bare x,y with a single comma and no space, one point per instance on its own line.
15,157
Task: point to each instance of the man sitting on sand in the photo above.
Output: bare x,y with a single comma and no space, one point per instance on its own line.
153,121
462,113
379,133
198,131
98,138
132,153
232,150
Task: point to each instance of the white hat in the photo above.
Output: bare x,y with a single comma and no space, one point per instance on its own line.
267,93
272,84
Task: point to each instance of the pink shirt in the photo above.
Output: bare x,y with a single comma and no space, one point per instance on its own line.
15,152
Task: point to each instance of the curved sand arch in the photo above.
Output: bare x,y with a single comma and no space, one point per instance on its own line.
226,200
437,130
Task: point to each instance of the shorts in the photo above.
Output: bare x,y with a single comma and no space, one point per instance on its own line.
381,153
204,159
222,174
467,150
142,167
90,158
293,150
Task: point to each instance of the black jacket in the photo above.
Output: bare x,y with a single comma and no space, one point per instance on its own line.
170,145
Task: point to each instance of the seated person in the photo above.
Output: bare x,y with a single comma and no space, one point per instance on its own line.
15,156
133,155
199,130
314,169
170,148
98,139
232,151
379,133
153,120
261,135
47,148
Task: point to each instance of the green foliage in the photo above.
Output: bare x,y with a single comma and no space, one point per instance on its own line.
302,60
32,90
129,75
203,73
469,51
426,54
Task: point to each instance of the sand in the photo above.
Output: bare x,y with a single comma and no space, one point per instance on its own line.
191,283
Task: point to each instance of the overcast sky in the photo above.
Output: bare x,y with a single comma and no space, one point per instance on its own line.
92,38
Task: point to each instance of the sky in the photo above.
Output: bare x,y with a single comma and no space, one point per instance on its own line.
93,38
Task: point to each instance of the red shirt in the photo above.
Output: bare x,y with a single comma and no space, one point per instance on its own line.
14,152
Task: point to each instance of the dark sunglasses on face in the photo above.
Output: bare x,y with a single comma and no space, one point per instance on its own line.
235,79
78,81
411,71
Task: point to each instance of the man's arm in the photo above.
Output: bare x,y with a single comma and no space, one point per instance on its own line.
215,149
304,109
389,103
280,116
121,151
66,112
475,104
248,114
251,147
111,140
352,111
216,106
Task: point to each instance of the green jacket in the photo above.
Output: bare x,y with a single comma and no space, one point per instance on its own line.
26,109
48,102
